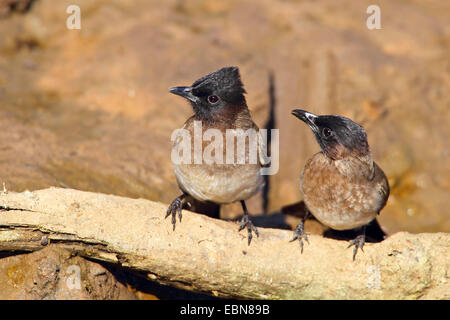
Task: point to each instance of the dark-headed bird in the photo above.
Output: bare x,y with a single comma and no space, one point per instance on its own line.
342,186
219,104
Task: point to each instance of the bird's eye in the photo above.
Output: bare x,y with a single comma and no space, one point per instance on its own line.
213,99
326,132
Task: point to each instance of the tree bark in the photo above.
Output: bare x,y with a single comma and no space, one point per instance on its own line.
210,256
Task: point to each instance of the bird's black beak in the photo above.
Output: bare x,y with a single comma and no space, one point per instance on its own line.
185,92
307,117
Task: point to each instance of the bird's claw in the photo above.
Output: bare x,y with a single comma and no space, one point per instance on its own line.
300,234
175,208
358,242
245,222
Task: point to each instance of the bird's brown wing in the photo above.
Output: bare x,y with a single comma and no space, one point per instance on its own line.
382,186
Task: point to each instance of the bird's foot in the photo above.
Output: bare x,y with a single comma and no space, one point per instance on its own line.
300,234
245,222
358,242
175,208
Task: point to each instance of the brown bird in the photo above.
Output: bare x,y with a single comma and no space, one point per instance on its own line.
219,104
342,186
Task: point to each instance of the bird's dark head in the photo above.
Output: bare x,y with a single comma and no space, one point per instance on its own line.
339,137
214,92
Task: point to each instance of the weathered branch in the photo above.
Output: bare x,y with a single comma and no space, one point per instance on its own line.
209,255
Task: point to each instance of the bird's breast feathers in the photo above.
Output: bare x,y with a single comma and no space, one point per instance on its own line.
342,201
217,176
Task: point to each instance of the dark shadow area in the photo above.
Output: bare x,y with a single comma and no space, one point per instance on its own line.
207,208
275,220
270,124
139,282
6,254
9,6
297,209
2,208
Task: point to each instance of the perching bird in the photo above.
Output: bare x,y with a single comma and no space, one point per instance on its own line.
342,186
219,103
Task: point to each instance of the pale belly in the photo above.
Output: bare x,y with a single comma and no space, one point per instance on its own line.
219,183
340,219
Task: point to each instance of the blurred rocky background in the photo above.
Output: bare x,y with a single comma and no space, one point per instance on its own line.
89,109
